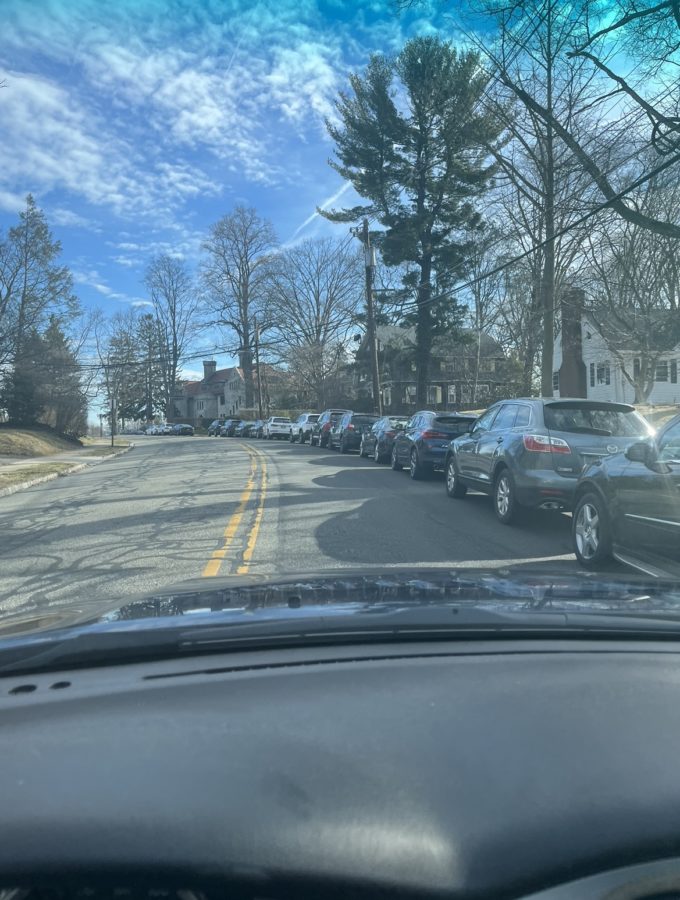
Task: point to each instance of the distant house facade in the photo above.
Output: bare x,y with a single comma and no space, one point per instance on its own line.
466,373
602,367
220,393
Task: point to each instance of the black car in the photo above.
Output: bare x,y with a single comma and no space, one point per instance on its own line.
182,429
228,428
240,428
214,428
423,444
628,506
379,440
347,431
530,453
301,429
322,427
249,429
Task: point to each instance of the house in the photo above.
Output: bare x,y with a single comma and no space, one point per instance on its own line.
470,371
220,393
602,361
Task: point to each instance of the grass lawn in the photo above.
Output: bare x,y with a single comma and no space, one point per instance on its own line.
27,473
33,442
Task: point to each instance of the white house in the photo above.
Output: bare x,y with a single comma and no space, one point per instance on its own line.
604,378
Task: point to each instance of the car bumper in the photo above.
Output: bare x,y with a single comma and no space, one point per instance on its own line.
541,488
434,455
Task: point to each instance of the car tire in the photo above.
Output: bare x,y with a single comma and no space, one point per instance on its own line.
378,457
291,438
416,469
504,497
362,452
396,465
591,531
343,445
454,486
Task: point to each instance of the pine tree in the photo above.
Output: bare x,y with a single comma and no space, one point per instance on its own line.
414,140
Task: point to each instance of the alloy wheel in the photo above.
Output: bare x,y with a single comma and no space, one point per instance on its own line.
587,531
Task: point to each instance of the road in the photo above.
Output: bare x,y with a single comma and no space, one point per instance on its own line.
179,508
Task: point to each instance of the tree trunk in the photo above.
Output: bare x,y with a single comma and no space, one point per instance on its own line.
247,366
423,333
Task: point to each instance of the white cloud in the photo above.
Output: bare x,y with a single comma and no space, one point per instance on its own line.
328,202
69,219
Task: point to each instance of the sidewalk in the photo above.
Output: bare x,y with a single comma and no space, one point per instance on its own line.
19,472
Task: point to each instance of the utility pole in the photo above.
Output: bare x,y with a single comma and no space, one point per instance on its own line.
257,369
369,260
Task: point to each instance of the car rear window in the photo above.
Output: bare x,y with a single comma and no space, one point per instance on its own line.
454,423
281,421
313,418
604,420
365,420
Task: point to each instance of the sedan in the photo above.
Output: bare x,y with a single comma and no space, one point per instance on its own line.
379,440
347,432
530,453
628,506
214,428
183,429
423,444
301,429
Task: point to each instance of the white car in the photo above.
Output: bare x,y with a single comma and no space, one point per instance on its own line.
277,427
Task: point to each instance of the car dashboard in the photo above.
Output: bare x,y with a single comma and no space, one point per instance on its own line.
448,769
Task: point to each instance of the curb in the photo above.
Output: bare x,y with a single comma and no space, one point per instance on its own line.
78,467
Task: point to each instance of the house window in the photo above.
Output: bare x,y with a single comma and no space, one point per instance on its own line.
603,373
592,374
556,381
221,399
434,394
483,390
674,371
410,393
661,372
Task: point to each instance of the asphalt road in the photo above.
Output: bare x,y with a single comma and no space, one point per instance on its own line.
179,508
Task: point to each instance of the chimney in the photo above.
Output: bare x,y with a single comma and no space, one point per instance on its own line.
209,369
572,370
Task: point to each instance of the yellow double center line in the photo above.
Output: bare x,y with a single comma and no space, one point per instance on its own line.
213,566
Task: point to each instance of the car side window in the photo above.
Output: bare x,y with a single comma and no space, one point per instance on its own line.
485,421
506,416
523,416
412,423
669,445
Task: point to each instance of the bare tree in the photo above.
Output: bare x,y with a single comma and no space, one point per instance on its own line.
175,305
316,298
237,276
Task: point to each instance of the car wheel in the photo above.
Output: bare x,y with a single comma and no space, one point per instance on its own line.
590,531
416,469
291,438
343,445
377,455
504,498
396,465
362,451
454,487
301,437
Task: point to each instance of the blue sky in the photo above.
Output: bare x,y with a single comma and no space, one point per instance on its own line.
137,123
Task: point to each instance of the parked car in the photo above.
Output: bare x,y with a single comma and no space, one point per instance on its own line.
226,428
214,428
257,430
422,445
530,453
321,429
182,429
347,432
277,427
240,428
628,506
165,429
248,428
378,441
301,428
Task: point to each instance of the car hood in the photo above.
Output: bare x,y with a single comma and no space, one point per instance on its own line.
342,593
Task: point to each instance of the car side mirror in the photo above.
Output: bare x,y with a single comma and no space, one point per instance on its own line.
641,451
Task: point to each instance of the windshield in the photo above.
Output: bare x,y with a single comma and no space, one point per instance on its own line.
598,420
291,288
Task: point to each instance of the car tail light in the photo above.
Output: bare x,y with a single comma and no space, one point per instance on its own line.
326,426
541,443
390,433
350,428
433,435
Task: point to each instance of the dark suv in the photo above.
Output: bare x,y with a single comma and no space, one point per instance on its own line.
422,445
530,453
347,432
214,428
322,427
628,506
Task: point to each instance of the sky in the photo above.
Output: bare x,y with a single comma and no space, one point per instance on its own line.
138,123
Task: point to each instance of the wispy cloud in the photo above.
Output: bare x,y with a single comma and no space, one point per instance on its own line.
328,202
